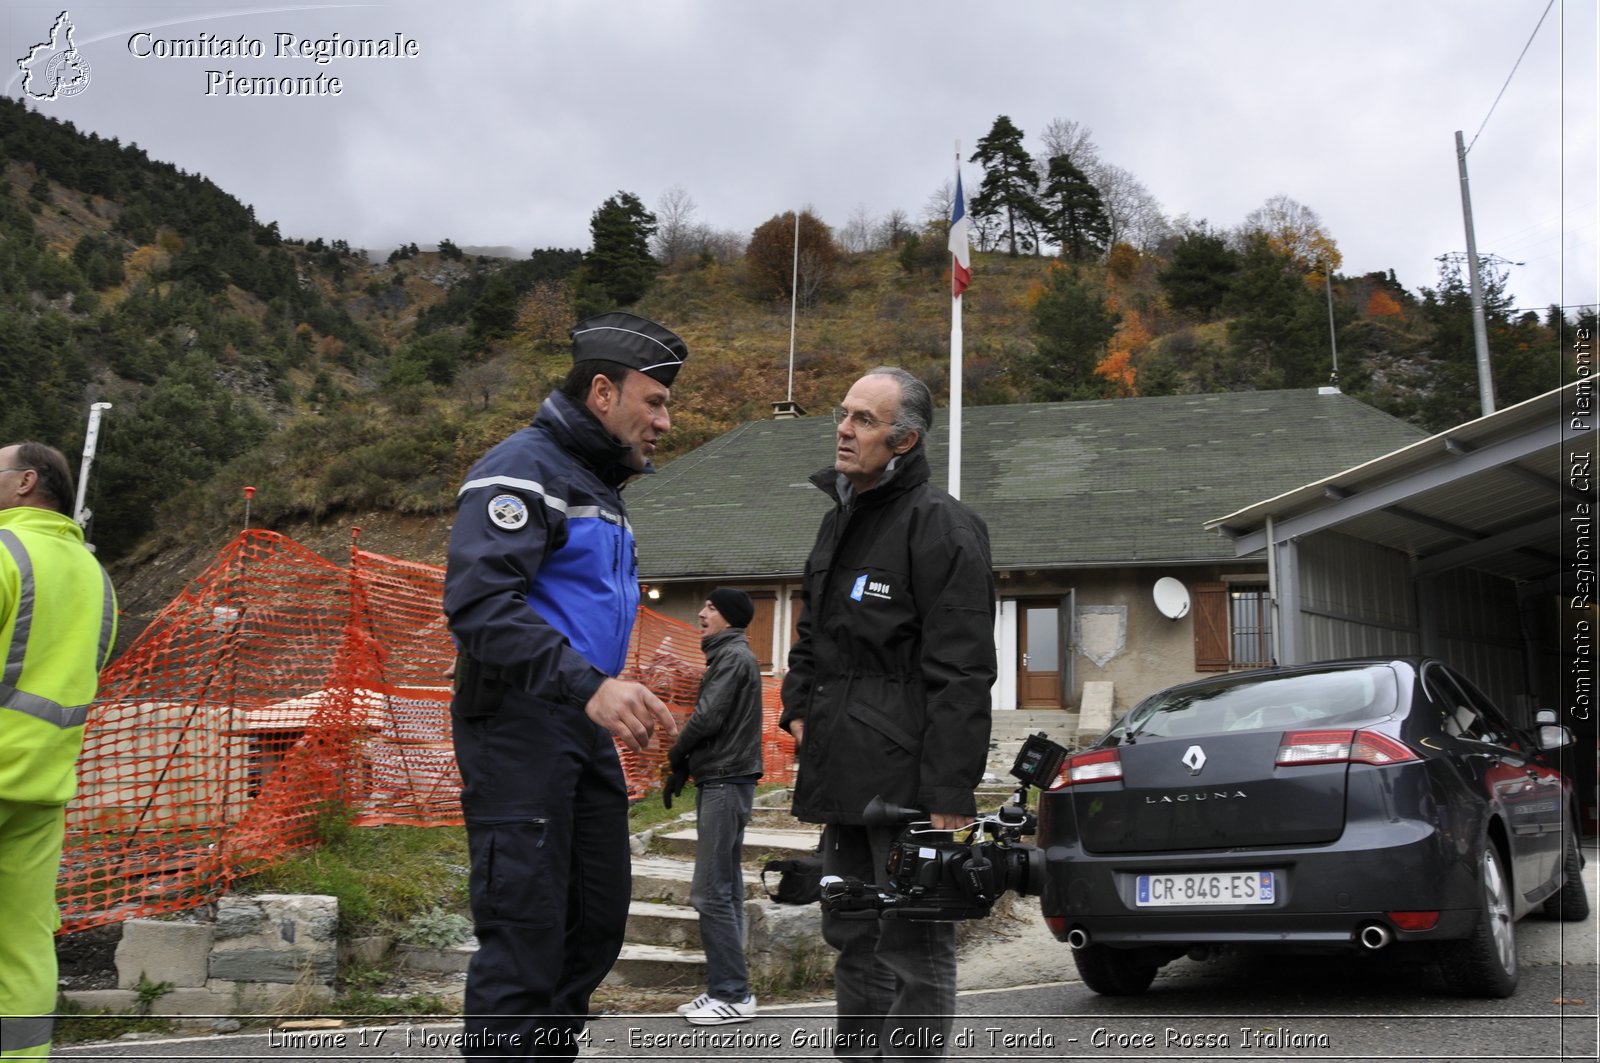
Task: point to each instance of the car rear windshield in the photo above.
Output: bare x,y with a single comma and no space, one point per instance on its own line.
1343,697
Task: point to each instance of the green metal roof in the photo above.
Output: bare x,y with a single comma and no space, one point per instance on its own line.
1061,484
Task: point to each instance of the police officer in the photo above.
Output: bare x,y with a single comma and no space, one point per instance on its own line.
58,620
541,590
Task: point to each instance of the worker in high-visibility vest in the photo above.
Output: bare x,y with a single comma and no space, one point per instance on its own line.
58,620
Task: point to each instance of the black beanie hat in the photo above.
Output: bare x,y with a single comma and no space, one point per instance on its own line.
734,605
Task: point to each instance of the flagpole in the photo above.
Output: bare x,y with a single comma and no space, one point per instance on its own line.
955,348
794,302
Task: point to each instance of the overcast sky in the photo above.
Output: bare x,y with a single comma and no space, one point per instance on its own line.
513,121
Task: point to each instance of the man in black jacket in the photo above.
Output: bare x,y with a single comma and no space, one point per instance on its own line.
721,747
887,695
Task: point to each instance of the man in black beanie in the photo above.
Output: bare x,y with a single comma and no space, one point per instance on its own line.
721,747
541,591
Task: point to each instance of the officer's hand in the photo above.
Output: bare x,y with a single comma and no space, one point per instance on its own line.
673,787
797,728
631,712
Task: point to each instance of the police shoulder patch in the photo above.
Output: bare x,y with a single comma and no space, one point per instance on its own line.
508,512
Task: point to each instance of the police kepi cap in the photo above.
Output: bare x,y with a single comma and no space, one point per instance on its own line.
631,341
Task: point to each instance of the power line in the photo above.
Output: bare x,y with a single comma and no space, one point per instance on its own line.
1511,75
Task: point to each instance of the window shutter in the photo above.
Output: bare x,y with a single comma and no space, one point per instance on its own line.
1210,627
760,628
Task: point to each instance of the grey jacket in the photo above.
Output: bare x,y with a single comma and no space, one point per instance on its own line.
723,736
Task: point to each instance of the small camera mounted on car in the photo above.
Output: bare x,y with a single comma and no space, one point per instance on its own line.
931,876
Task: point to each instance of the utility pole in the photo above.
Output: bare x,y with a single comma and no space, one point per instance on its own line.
1480,332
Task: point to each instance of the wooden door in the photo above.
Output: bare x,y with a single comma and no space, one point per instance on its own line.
1039,660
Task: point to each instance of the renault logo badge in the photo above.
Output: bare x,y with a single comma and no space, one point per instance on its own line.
1194,759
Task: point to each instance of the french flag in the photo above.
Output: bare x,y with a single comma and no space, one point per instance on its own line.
961,267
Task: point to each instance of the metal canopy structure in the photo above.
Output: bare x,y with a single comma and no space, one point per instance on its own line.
1494,494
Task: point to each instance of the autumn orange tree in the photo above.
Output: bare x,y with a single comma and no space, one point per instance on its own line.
770,265
1294,231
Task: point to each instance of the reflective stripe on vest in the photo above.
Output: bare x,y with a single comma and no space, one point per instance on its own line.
20,700
17,1035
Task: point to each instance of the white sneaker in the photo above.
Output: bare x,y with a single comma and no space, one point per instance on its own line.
719,1012
698,1002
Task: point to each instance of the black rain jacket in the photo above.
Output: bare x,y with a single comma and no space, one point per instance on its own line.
895,657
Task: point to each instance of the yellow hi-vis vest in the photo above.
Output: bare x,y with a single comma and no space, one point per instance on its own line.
58,620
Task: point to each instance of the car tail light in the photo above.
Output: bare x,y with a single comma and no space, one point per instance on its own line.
1413,921
1100,765
1340,747
1056,923
1370,747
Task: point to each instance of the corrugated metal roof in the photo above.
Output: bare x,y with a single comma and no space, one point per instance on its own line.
1489,494
1061,485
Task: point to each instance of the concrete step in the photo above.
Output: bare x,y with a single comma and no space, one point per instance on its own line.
668,879
759,845
670,925
660,967
776,819
1016,724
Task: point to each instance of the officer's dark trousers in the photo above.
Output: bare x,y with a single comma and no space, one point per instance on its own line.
547,829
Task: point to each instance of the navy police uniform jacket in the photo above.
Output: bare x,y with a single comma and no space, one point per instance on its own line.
542,582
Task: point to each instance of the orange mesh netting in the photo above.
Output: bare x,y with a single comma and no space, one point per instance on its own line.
278,690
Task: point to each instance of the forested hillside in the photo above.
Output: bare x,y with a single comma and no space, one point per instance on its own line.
338,382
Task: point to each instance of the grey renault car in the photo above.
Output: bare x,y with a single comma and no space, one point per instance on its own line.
1356,805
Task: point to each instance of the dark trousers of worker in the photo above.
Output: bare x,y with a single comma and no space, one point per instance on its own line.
722,811
546,810
894,980
30,857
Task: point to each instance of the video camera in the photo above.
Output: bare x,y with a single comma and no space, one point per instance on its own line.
932,877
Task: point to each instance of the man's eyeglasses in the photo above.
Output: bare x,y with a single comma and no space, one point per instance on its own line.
19,468
861,420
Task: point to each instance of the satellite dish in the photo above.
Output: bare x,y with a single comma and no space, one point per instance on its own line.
1172,598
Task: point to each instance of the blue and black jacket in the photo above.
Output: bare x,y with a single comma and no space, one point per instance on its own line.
542,581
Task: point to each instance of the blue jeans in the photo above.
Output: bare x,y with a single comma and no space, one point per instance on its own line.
722,811
894,980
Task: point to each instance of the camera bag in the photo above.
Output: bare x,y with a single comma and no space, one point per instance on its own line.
799,879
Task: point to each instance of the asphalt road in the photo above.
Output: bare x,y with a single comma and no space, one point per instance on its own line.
1354,1008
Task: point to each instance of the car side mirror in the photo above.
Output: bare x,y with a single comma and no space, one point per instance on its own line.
1553,736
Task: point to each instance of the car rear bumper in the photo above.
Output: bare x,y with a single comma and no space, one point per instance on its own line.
1326,895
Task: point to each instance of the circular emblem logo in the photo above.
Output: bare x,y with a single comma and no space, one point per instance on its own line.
508,512
67,74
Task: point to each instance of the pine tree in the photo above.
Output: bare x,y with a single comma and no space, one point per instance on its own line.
619,268
1199,272
1074,214
1010,187
1072,328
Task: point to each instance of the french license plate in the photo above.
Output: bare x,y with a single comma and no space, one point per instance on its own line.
1226,887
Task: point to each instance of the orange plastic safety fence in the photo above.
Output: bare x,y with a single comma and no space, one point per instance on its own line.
280,692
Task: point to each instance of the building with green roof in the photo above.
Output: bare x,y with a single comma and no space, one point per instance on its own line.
1088,505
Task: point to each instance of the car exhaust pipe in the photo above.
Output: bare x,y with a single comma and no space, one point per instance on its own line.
1077,938
1374,936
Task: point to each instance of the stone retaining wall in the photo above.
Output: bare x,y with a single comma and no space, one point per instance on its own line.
267,955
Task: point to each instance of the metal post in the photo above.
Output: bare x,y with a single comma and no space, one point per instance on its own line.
1333,338
1480,332
80,511
794,296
